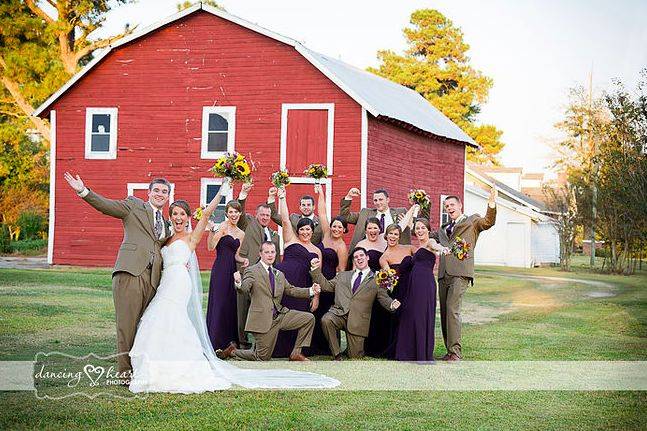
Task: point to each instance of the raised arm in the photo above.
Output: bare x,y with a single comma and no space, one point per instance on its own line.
344,209
322,210
242,198
286,224
318,277
484,223
409,216
197,233
271,202
114,208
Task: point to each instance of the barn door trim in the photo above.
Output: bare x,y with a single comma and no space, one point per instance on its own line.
330,107
52,187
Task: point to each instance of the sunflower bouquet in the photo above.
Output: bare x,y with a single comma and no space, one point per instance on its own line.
198,213
387,279
280,178
233,166
460,248
316,171
420,197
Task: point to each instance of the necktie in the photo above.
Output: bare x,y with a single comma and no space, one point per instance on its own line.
357,282
382,223
268,237
272,283
158,223
449,229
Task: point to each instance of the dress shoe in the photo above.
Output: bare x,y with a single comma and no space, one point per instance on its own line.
228,352
446,357
453,357
298,357
337,357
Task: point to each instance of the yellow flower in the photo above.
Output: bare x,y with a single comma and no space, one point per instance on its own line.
243,168
392,271
381,275
419,194
240,158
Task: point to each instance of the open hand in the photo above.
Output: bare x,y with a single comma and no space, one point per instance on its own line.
76,183
315,263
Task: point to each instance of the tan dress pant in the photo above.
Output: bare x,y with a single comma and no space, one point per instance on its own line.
331,325
450,296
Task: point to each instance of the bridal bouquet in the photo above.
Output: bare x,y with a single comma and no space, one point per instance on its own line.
387,279
316,171
420,197
280,178
460,248
233,166
197,214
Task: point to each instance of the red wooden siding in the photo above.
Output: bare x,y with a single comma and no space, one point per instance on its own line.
160,83
307,138
399,160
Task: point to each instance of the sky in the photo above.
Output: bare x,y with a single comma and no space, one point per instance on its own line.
534,50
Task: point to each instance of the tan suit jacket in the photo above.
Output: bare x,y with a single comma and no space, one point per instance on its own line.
468,229
254,236
256,282
140,246
357,306
317,234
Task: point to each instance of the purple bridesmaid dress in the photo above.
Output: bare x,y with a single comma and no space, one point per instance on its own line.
381,333
330,261
415,339
296,268
222,322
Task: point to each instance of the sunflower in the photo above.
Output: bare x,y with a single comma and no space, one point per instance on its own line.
239,157
243,168
381,276
419,194
392,271
219,163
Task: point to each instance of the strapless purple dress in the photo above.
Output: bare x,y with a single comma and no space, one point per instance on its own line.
415,336
222,321
296,267
330,261
380,337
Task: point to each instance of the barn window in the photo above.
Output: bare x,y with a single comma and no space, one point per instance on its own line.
444,215
208,189
101,133
218,131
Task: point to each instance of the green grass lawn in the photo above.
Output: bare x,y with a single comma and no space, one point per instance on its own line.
513,318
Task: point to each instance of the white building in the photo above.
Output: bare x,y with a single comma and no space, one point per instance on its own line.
522,237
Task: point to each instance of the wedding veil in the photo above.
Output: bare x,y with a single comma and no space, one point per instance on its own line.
247,378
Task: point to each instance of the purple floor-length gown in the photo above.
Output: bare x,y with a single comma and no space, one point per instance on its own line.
329,263
296,267
222,322
415,339
381,333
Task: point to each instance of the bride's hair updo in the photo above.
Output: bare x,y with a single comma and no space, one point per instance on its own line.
182,204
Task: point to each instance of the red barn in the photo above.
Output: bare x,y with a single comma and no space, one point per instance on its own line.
169,100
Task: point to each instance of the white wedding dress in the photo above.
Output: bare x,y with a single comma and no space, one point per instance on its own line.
172,351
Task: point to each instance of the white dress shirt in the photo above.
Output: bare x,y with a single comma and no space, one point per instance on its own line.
388,219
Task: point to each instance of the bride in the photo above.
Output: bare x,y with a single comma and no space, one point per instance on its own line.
172,351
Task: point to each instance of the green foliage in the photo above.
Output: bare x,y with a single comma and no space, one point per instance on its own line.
5,239
32,225
436,65
187,4
29,246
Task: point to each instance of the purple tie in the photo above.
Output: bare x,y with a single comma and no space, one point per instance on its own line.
382,223
357,282
449,229
272,281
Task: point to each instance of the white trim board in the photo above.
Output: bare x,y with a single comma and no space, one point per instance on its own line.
52,187
364,158
111,154
231,131
330,138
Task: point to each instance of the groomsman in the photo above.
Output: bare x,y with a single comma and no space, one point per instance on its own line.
257,231
380,210
137,271
355,292
267,317
307,208
454,275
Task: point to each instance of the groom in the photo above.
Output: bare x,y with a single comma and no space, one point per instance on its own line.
138,268
454,275
267,316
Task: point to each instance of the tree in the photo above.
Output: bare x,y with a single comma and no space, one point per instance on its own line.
562,203
187,4
436,65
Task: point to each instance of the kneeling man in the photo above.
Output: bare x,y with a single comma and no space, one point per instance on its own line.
266,286
355,292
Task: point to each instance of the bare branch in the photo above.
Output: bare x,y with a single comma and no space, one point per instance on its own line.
102,43
38,11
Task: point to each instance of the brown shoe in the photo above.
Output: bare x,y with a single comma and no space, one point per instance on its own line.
228,352
298,357
337,357
445,358
453,357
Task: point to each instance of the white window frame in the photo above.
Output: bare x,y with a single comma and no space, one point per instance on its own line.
114,128
330,139
131,187
231,131
205,182
442,210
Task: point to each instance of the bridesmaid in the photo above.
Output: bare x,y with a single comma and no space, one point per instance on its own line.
415,337
334,255
297,253
222,321
373,243
381,334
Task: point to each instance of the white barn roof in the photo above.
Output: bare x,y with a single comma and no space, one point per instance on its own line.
379,96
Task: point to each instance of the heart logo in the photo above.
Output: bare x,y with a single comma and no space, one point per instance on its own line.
93,373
